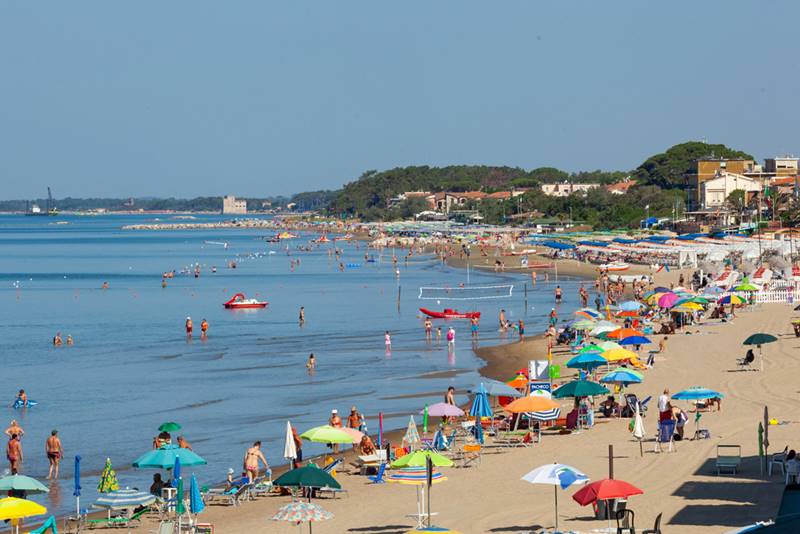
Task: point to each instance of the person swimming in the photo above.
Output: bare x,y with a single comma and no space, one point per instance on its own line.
311,364
22,398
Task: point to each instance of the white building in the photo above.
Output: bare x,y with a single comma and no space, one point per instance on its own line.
231,206
715,192
566,189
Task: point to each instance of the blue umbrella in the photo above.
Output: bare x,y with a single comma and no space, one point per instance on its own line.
478,431
621,376
77,492
164,458
630,305
438,441
634,340
587,360
176,471
480,405
697,393
196,504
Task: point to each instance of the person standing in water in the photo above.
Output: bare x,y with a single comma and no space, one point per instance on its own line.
251,460
336,422
558,294
203,329
302,315
387,338
451,337
311,364
521,331
55,452
473,326
189,327
14,453
428,329
502,320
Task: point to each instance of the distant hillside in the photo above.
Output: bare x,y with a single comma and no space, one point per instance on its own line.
669,169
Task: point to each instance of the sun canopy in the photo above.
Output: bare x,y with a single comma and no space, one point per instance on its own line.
164,458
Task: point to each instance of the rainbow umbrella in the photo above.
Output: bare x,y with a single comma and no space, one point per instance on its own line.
415,476
731,299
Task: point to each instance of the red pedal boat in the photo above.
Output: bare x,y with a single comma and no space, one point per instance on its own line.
450,314
239,302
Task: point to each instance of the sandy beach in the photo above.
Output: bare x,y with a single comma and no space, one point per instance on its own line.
680,484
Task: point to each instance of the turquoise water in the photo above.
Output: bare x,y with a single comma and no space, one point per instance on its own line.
131,367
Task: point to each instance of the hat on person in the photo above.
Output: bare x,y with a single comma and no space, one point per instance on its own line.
188,318
334,411
230,470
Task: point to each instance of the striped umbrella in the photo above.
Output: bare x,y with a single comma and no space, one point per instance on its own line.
544,415
415,476
411,437
124,499
302,512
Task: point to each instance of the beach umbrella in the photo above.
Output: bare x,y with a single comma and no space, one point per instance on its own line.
412,436
169,427
622,333
289,447
634,340
590,348
661,289
731,299
478,430
556,475
667,300
125,499
425,419
587,361
603,329
180,507
699,300
12,508
627,314
532,403
583,324
480,404
76,492
419,458
622,376
580,388
638,428
518,382
761,446
620,354
697,393
631,305
442,409
746,286
652,299
22,483
302,512
759,339
309,476
355,434
588,313
326,434
196,504
176,470
609,345
496,388
108,479
544,415
164,458
415,476
605,490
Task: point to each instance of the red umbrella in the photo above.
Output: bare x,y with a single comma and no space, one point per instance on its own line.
605,489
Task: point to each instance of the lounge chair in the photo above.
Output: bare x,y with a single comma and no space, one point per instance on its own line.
625,521
331,466
50,525
332,491
263,485
242,493
631,399
656,526
121,521
666,433
165,527
378,479
729,458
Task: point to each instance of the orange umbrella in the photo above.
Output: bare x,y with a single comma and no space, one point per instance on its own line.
535,403
628,313
622,333
518,382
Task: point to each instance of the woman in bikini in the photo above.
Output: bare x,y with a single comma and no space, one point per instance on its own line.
251,459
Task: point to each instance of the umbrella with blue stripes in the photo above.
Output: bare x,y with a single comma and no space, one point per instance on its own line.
125,499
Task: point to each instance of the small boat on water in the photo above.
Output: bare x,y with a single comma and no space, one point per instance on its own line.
615,266
286,235
322,239
239,302
450,314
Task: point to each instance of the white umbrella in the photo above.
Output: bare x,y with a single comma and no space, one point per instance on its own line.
638,428
412,435
289,449
556,475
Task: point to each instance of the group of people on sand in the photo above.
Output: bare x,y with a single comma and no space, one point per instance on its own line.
58,340
52,447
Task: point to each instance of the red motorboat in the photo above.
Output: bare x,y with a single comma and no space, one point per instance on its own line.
450,314
239,302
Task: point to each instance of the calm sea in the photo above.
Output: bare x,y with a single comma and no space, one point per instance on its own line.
131,367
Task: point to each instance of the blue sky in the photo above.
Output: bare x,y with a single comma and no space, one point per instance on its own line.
187,98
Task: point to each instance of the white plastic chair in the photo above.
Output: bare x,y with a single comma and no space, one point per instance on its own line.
792,472
778,459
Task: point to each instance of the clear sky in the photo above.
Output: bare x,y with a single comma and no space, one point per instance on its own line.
205,97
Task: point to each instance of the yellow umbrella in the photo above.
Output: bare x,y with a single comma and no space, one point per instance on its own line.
653,298
13,508
615,355
693,306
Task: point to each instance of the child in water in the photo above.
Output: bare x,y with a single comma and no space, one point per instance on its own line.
388,340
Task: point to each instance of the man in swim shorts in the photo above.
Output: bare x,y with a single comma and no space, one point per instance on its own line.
54,453
14,454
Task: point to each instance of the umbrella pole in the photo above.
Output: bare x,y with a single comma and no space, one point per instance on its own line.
555,492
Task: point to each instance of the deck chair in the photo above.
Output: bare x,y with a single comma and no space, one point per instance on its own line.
50,525
263,485
241,493
165,527
625,521
666,432
331,466
656,526
745,364
729,458
122,521
378,479
471,454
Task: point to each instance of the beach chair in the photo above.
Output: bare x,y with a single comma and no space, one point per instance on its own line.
240,494
121,521
165,527
745,364
470,454
264,485
625,521
729,458
792,472
378,479
212,493
50,525
666,433
779,459
656,526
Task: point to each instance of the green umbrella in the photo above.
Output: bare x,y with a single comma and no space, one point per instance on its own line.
425,420
164,458
22,483
418,458
760,339
580,388
327,434
169,427
608,345
309,476
746,286
108,479
590,348
180,508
